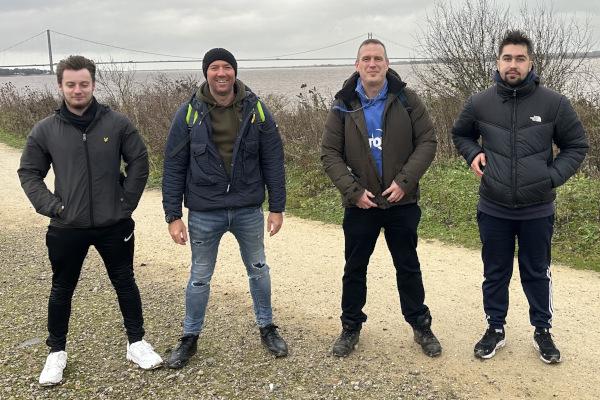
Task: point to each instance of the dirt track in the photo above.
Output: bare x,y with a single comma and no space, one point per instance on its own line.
306,260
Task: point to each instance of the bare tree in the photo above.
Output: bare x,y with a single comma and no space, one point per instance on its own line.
463,43
117,86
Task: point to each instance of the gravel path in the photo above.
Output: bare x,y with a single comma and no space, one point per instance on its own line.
306,265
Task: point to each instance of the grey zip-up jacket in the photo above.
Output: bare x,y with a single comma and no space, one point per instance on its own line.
90,190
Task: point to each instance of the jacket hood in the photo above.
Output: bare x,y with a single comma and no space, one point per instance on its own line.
347,93
529,84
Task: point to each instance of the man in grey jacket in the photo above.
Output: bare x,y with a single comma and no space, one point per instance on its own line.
85,143
517,121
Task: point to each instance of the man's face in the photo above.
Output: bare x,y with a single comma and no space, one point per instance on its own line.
77,88
372,64
514,63
220,77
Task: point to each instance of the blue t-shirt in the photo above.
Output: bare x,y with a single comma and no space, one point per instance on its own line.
373,112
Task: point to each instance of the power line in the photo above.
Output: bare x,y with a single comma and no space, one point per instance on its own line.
22,41
320,48
125,48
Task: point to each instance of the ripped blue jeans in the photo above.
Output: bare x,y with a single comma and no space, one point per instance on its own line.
206,229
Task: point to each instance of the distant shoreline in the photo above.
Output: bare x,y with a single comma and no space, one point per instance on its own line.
39,72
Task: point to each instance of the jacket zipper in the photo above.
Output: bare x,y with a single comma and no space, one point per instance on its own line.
89,167
513,139
89,171
237,149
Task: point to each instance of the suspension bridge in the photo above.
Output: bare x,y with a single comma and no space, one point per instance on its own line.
163,58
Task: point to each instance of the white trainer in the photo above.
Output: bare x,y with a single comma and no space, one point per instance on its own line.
143,355
52,374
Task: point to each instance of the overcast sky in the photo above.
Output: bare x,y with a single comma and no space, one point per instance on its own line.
250,29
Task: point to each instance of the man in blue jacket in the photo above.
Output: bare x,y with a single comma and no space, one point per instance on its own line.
518,121
223,149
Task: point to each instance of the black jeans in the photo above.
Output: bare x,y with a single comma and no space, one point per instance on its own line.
361,230
498,251
67,248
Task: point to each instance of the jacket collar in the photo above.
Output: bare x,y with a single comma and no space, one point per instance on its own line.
529,84
99,110
348,91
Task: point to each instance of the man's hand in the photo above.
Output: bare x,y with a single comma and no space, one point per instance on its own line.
274,222
365,200
178,231
478,164
395,192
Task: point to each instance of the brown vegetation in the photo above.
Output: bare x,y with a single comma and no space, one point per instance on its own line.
151,106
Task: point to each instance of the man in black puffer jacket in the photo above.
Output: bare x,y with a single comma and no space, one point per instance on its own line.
518,121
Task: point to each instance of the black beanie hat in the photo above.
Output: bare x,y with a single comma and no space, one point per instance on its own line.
218,54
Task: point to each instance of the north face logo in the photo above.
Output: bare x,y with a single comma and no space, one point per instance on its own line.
536,118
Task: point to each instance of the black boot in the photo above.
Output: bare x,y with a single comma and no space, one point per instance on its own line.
346,342
271,339
185,349
425,337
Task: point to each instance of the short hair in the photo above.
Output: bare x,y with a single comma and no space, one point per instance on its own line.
372,41
515,37
75,63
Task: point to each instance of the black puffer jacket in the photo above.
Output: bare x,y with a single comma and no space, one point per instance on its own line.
517,126
89,189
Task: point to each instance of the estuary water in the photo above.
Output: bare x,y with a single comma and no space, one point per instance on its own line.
263,81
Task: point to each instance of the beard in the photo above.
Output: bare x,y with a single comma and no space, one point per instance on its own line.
78,104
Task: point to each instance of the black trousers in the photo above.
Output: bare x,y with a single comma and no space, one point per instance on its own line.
67,248
361,230
498,251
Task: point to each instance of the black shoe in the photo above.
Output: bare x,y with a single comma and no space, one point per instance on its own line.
271,339
346,342
185,349
542,342
492,340
425,337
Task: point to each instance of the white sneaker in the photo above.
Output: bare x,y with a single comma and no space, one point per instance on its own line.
52,374
143,355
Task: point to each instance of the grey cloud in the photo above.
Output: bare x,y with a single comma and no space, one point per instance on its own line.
190,27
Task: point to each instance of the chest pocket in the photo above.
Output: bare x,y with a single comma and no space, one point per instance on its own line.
200,165
251,162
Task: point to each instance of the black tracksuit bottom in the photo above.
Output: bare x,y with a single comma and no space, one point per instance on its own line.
67,248
361,230
534,237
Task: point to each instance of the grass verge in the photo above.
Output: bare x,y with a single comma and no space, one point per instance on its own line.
449,195
16,141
